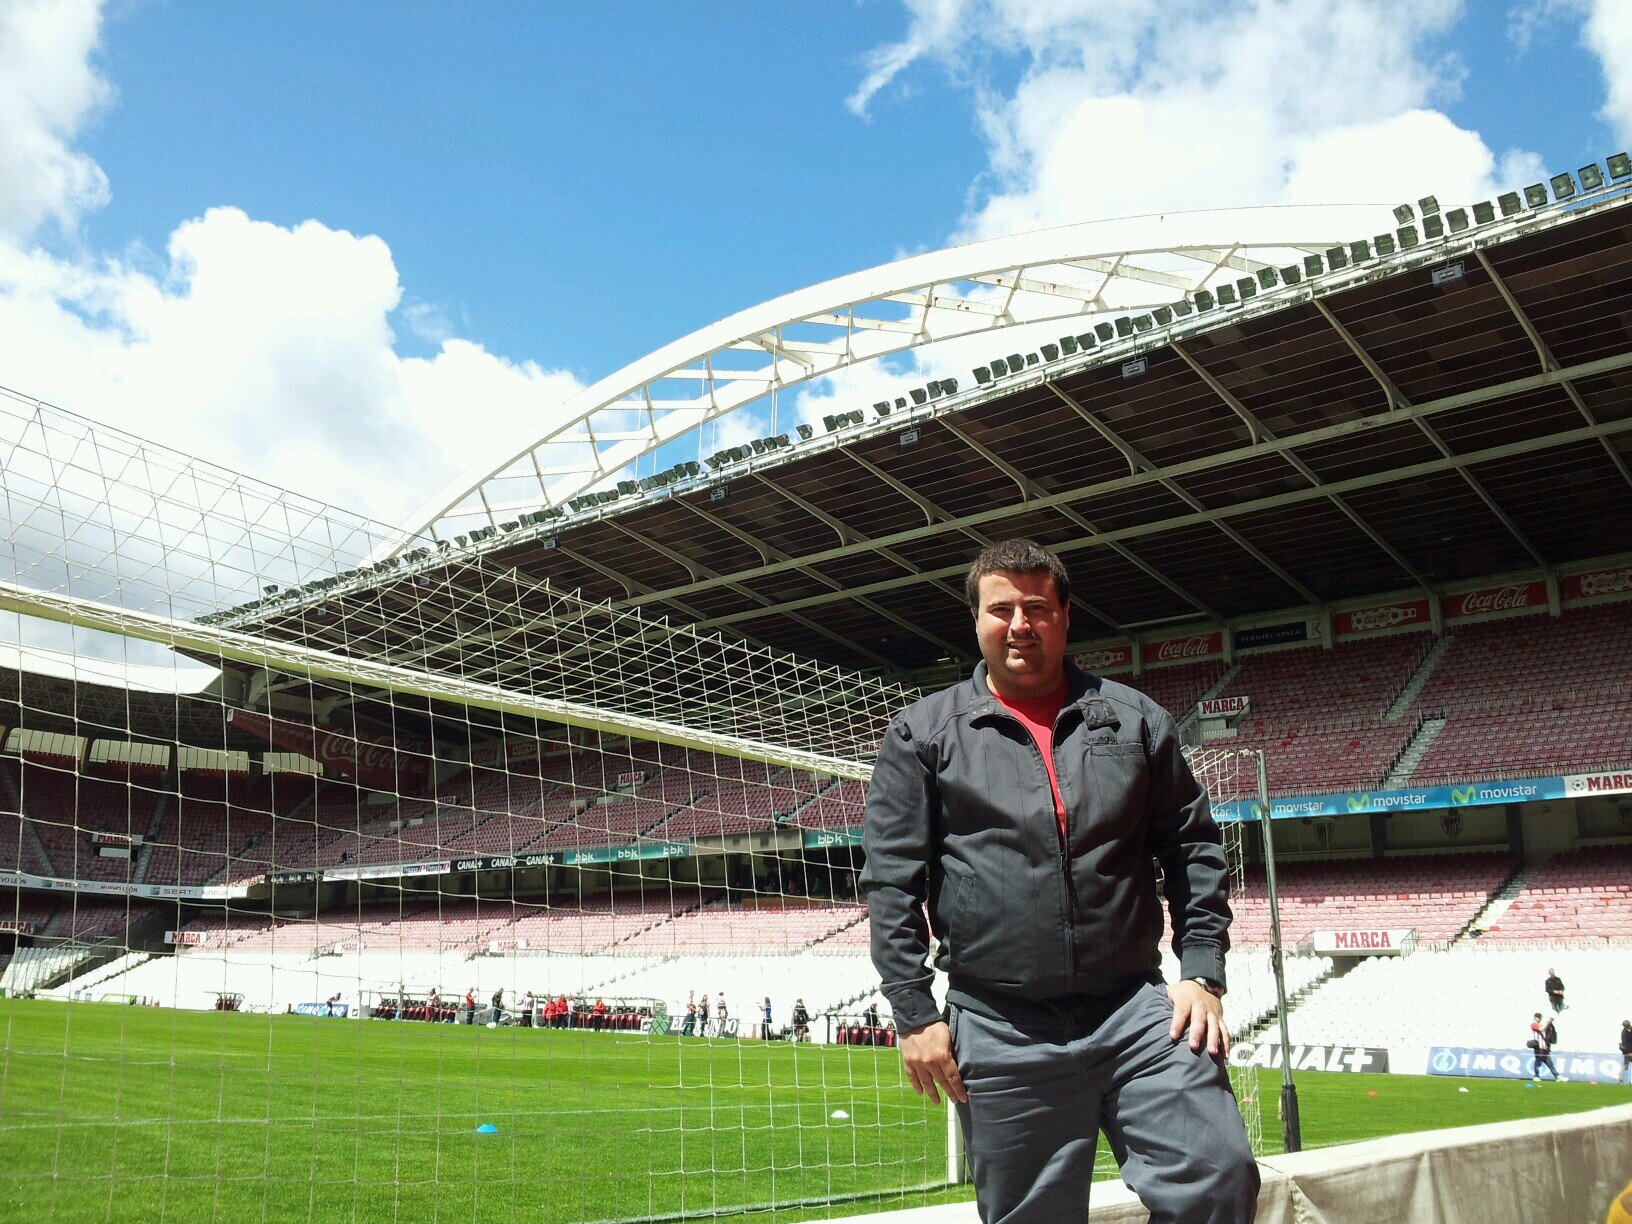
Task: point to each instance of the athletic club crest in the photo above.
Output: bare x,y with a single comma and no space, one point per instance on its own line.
1451,822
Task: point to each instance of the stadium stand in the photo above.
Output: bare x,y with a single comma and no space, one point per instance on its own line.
1436,895
1575,897
1178,688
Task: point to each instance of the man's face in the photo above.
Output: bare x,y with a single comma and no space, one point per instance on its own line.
1022,628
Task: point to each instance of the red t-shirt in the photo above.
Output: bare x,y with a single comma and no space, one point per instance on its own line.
1037,714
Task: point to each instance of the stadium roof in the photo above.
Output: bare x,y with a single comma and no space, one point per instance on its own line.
1458,410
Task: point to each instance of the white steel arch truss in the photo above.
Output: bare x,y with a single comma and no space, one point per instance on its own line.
1083,273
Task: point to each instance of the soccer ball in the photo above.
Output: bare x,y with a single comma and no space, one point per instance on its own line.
1620,1211
492,1024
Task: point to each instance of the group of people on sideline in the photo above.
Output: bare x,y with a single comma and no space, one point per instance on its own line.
1544,1033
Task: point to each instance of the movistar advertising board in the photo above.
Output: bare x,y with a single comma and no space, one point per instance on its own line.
1416,798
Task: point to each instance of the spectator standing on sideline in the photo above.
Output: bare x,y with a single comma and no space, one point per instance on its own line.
801,1021
765,1019
470,1006
433,1006
1554,986
1024,808
498,1005
689,1025
597,1015
527,1005
703,1016
1541,1047
1626,1048
721,1013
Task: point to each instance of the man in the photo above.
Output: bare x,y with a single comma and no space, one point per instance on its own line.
1554,986
470,1006
765,1019
1626,1049
1023,807
801,1021
498,1007
1541,1047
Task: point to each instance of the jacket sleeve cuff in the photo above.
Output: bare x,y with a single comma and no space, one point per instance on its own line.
913,1006
1203,960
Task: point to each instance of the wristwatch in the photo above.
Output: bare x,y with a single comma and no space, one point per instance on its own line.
1210,986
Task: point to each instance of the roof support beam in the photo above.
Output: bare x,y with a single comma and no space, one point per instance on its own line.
1259,431
1184,495
1396,399
1138,479
1029,492
1548,361
1256,506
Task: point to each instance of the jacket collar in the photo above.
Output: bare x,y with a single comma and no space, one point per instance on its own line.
1082,690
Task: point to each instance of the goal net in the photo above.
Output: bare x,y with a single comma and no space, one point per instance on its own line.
336,884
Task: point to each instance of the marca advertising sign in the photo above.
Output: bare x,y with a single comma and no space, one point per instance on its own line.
370,760
1403,613
1353,1059
1487,1063
1188,649
184,939
1363,943
827,839
1576,785
1474,794
1595,586
113,888
1223,707
1103,659
16,926
1488,601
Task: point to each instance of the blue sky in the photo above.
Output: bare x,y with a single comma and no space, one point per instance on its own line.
257,231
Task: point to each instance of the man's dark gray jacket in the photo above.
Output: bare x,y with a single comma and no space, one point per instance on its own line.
960,816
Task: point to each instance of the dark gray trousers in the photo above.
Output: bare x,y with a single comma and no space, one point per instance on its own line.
1043,1083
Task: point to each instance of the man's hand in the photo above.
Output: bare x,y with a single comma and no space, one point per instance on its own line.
1203,1013
926,1053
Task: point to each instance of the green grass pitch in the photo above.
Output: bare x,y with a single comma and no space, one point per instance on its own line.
118,1113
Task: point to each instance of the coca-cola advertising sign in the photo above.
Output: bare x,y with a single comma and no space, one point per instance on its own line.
1187,649
1595,586
1490,601
1101,659
372,761
1406,612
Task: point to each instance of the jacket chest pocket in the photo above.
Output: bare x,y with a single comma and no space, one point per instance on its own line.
1117,783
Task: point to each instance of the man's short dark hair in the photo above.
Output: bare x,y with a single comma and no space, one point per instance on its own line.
1015,557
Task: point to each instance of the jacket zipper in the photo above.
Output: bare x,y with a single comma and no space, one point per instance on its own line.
1062,838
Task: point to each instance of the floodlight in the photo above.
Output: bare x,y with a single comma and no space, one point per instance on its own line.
1182,307
1031,360
1384,244
983,374
949,385
1104,331
1163,316
271,589
1312,265
1016,363
1428,205
1337,258
1403,213
805,432
919,395
1226,295
1484,212
1142,323
1563,186
1359,250
935,388
1000,367
1266,278
900,401
1509,201
627,486
1086,341
1433,226
1051,352
1248,287
1535,195
1124,326
1204,299
1408,236
1068,345
1291,274
1620,165
1591,177
1457,219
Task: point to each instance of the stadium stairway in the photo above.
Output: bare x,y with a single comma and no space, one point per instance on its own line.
1410,757
1408,695
1189,723
1266,1022
1500,901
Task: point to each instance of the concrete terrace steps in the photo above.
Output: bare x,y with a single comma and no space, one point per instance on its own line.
1422,739
1419,678
1501,901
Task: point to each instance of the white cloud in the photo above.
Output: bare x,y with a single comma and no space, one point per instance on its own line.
1608,33
48,89
1139,106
